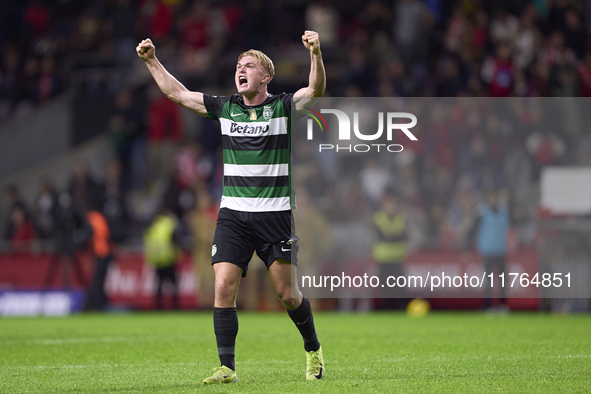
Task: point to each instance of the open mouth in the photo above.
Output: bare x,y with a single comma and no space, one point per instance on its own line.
242,81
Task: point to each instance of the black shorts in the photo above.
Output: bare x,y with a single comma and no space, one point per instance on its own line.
238,234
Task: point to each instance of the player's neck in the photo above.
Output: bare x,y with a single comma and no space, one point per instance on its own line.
256,99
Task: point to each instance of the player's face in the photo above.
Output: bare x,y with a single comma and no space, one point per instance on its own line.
250,75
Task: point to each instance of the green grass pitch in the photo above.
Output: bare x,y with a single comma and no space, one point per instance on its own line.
379,352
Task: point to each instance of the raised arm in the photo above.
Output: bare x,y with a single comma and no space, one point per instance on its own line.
307,96
169,85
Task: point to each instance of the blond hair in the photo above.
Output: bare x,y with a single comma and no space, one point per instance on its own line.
263,60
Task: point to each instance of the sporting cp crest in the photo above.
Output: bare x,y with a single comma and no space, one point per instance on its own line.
267,112
214,250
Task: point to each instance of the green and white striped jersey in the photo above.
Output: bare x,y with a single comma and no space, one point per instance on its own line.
257,152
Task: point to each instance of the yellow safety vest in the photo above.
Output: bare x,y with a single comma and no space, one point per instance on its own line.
159,248
383,251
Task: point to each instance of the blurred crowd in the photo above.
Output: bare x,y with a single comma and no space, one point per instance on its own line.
404,48
372,48
466,149
376,48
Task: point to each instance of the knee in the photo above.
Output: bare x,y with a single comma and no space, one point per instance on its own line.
223,287
288,299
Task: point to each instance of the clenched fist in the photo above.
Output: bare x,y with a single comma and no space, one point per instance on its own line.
311,41
146,50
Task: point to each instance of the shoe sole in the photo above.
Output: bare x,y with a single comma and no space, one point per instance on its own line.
222,382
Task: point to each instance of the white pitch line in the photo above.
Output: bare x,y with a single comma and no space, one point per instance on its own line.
71,341
91,366
104,365
475,358
254,361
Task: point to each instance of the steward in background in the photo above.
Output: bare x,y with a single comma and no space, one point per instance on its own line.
389,250
162,251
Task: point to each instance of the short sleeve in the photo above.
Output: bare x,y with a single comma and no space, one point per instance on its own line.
289,105
214,105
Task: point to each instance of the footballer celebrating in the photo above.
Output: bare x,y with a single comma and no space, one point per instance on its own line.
257,199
